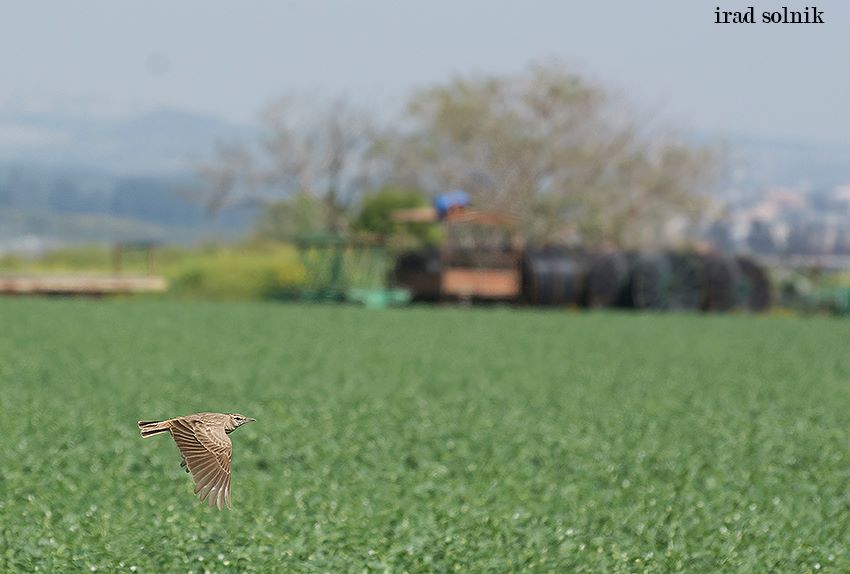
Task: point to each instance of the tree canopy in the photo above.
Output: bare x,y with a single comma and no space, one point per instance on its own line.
573,162
554,149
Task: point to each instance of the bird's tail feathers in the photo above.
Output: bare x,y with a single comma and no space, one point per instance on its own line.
150,428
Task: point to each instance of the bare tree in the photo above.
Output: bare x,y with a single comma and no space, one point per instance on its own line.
231,173
306,152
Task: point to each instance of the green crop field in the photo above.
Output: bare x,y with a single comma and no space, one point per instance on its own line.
425,440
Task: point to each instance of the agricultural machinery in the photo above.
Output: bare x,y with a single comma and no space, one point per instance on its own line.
483,258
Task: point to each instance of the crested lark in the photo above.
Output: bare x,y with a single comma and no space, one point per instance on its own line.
205,448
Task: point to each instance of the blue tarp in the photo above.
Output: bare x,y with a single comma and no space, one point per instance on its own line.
446,201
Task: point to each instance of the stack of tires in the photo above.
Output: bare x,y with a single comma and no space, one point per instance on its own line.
754,293
676,281
667,281
654,281
608,279
552,277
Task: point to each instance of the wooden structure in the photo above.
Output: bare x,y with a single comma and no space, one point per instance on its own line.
91,284
79,285
480,258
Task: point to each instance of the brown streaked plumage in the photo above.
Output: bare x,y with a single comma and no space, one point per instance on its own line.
205,448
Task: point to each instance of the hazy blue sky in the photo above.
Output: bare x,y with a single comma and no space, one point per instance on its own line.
231,57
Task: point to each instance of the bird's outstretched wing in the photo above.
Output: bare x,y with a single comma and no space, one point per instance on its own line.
207,451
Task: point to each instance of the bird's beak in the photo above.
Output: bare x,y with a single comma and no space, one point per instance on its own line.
250,420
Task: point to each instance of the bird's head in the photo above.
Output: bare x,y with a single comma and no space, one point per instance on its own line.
237,420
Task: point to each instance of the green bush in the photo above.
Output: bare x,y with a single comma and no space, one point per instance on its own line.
238,274
249,271
376,215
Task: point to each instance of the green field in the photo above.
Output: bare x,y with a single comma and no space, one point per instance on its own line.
425,440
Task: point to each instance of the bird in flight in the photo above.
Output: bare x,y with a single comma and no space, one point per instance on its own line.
205,448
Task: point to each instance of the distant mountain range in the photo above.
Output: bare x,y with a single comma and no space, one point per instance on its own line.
41,207
67,178
70,179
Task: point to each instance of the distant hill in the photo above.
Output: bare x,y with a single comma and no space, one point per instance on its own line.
55,206
69,179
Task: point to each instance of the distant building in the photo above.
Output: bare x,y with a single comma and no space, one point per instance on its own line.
842,241
720,236
812,238
761,238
